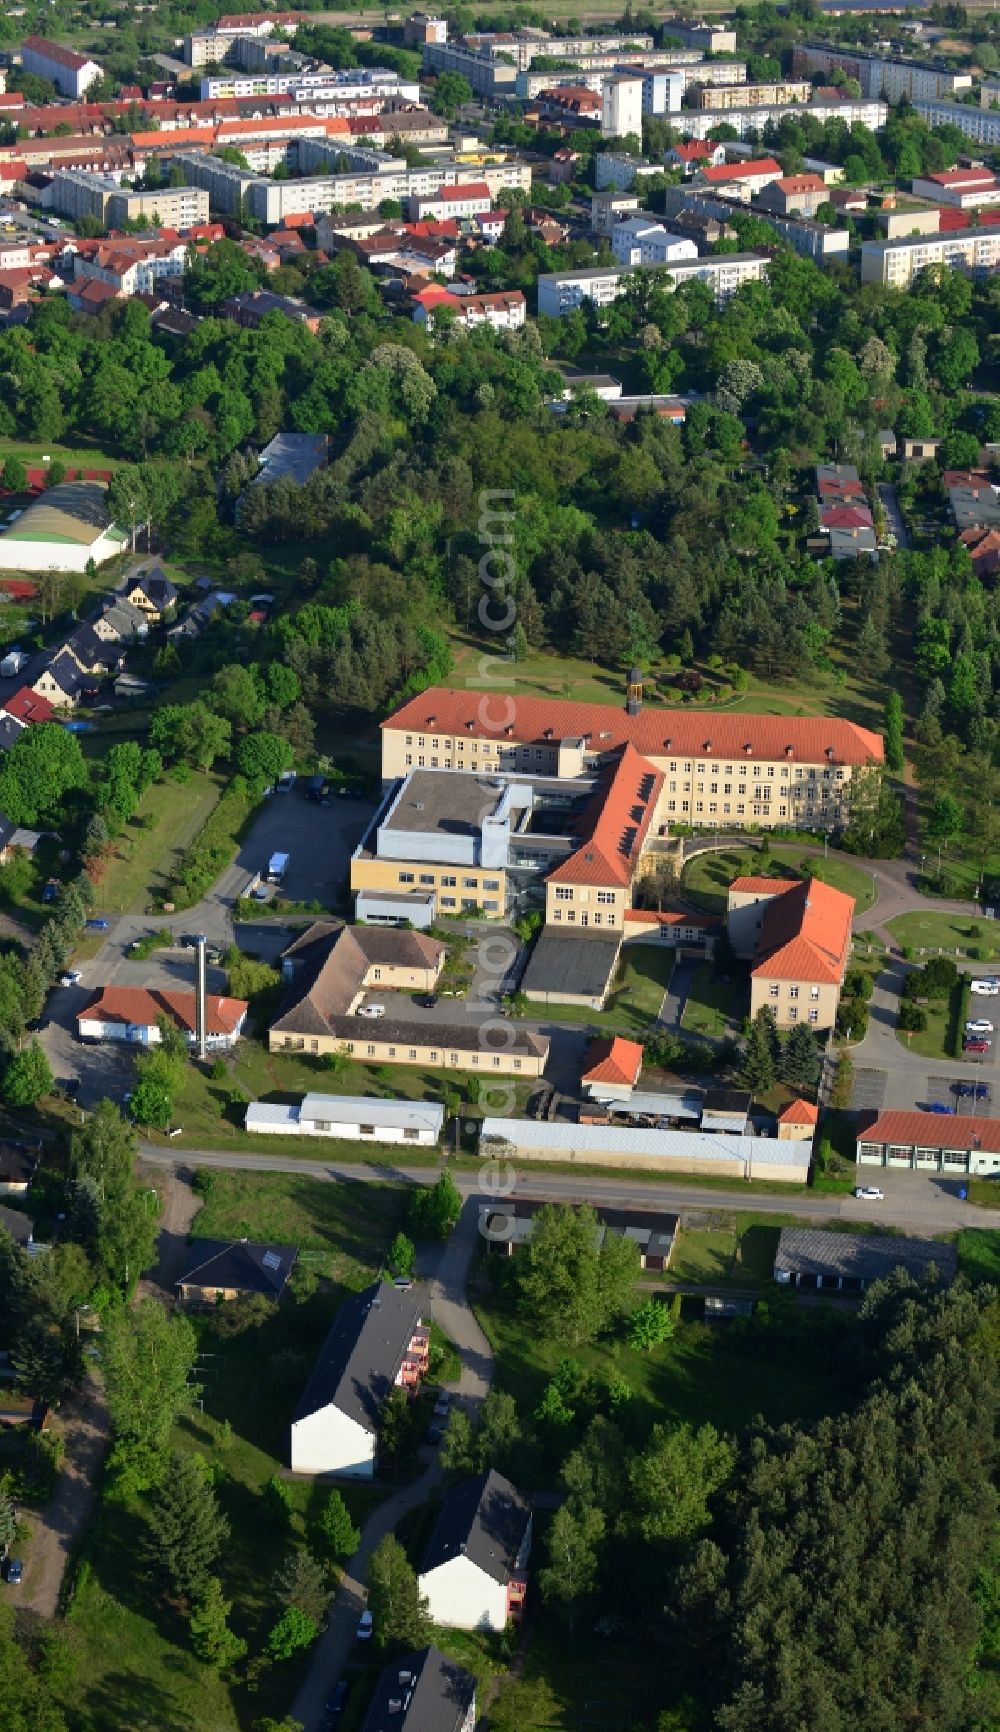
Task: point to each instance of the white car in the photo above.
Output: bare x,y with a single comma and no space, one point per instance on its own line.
373,1010
72,977
364,1630
985,988
869,1193
979,1025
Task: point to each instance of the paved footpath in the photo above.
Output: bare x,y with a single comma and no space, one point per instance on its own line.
450,1309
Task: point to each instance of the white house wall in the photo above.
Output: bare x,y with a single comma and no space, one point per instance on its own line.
463,1597
18,555
332,1442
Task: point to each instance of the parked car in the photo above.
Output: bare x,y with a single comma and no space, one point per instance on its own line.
427,1000
435,1433
364,1629
939,1106
869,1193
13,1570
99,923
336,1702
978,1025
286,781
976,1090
985,988
69,1085
402,1284
373,1010
976,1044
442,1406
72,977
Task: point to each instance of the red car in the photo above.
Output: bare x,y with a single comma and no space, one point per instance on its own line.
977,1046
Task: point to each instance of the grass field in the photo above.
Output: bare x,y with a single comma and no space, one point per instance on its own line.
714,1001
139,864
634,1000
707,877
74,456
737,1252
933,931
134,1661
935,1040
979,1254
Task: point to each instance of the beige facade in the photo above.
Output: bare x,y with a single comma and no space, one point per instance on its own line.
795,1001
711,793
170,207
373,1046
585,905
721,97
745,917
456,887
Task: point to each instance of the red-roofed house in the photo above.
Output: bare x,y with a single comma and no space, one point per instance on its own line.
132,1013
798,932
984,550
504,311
795,195
28,706
740,180
700,153
593,887
466,200
611,1068
797,1121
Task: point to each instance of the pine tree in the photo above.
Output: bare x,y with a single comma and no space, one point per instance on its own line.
758,1059
302,1582
337,1528
800,1060
399,1613
211,1638
187,1530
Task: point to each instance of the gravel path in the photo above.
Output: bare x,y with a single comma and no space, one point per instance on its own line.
55,1531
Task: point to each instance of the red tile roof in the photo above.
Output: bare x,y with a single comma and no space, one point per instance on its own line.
696,151
801,183
456,194
934,1131
655,733
668,917
846,517
142,1008
27,706
806,934
613,1061
751,886
59,55
799,1113
841,488
620,814
743,170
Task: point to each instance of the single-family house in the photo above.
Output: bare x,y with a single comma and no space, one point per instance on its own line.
228,1269
133,1013
378,1343
699,153
474,1573
26,705
423,1692
152,593
95,654
61,680
612,1068
121,623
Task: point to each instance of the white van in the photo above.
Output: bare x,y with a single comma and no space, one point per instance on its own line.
374,1010
985,988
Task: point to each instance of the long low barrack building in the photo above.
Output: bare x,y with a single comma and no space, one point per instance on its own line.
719,1154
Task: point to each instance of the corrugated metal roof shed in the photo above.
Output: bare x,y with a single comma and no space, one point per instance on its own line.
531,1134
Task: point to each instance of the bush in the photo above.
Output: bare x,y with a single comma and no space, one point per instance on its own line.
912,1020
203,1182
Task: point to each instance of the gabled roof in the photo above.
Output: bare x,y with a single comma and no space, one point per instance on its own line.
141,1007
422,1692
861,1256
362,1354
156,586
846,517
28,706
696,151
332,961
613,1061
656,733
16,1164
805,934
239,1264
793,183
485,1520
742,170
619,816
59,55
752,886
934,1131
68,674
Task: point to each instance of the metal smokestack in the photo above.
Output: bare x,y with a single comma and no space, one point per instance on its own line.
200,997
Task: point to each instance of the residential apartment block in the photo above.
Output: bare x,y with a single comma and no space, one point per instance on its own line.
77,195
698,123
560,291
814,240
621,105
644,241
378,1342
881,76
721,97
982,125
897,263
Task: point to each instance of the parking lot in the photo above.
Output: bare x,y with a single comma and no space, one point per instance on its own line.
319,840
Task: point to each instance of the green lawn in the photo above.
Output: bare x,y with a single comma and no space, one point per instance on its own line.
690,1378
979,1254
935,1041
738,1251
714,1001
934,931
706,878
74,456
134,1666
139,864
634,1001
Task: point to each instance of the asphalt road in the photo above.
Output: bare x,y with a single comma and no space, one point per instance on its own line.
922,1203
